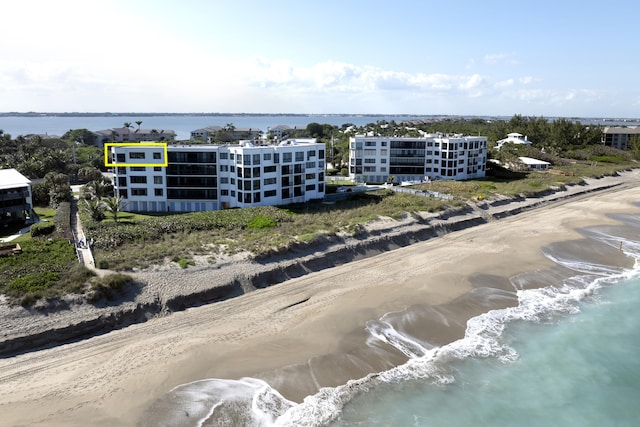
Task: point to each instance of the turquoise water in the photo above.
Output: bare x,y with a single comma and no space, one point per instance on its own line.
580,369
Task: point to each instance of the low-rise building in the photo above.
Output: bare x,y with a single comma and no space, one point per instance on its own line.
205,177
377,158
211,134
535,164
15,197
125,134
620,137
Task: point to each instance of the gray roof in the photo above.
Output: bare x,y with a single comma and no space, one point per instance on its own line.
628,130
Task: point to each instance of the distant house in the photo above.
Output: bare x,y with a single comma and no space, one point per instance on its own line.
535,164
620,137
133,135
513,138
15,197
211,134
204,134
278,132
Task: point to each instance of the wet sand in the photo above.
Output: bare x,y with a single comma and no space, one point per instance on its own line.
310,325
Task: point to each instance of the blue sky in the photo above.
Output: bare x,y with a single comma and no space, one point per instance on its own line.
538,58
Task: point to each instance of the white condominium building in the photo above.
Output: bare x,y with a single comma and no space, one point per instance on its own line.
374,159
212,177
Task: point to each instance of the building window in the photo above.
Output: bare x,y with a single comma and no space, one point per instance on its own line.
269,181
276,157
122,171
256,159
138,179
122,181
157,169
137,155
299,156
224,192
270,193
256,172
224,180
157,156
138,169
158,191
157,180
269,169
138,191
266,156
120,157
287,157
256,197
224,156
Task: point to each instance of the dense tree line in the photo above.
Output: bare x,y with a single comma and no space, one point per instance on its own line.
35,157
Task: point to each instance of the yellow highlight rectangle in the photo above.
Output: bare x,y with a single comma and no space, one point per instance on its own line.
134,144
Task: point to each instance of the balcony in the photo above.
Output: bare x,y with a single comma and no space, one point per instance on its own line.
14,195
16,208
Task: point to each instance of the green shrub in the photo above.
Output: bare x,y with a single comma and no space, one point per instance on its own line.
62,221
32,282
109,287
260,222
185,262
42,229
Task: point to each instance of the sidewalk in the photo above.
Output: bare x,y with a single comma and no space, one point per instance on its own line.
83,248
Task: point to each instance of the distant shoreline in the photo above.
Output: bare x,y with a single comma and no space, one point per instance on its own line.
631,120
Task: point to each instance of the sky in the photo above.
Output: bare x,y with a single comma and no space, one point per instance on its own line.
560,58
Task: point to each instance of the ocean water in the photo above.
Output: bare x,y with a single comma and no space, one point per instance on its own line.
568,355
181,125
184,124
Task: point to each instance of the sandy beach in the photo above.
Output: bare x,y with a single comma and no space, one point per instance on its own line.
275,333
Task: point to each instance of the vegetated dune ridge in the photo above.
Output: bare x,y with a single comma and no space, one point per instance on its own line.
166,290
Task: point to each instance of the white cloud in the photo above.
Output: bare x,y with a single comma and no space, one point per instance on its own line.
501,58
342,77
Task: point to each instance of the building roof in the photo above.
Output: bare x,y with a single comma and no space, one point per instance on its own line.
531,161
11,178
627,130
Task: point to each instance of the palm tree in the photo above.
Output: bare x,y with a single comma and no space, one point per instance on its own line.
138,122
95,208
114,205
